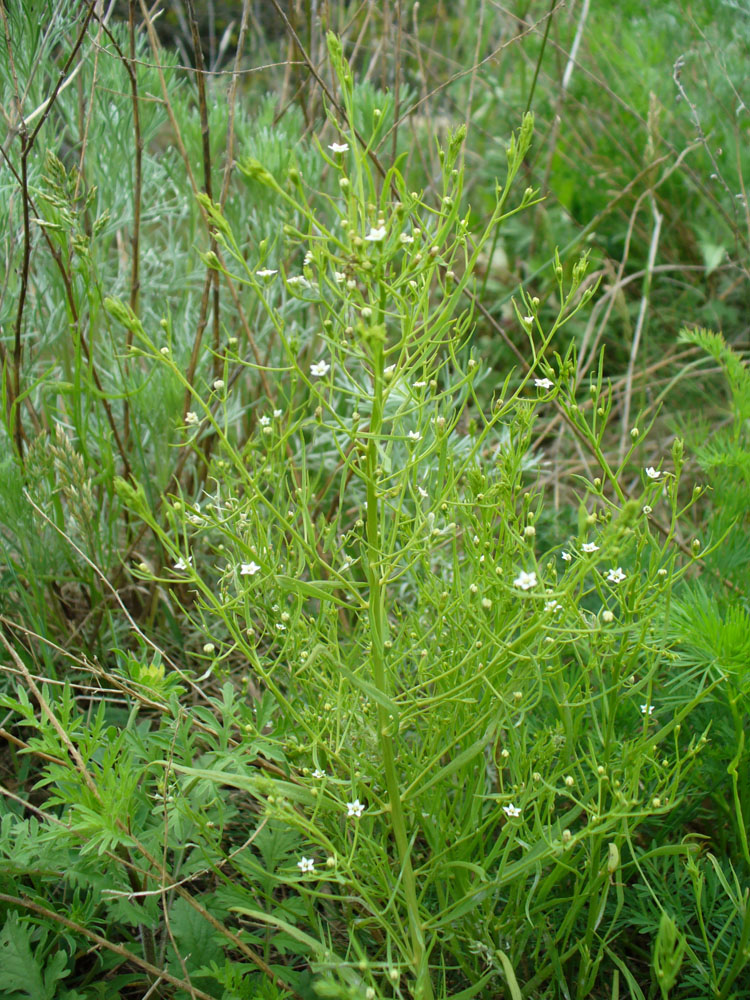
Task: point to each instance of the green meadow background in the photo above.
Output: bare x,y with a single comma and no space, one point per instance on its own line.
374,500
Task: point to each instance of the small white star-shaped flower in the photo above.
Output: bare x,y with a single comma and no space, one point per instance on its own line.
590,547
298,280
543,383
647,709
319,369
181,565
405,238
376,235
264,421
339,147
249,569
354,808
306,865
552,606
422,492
415,436
653,473
525,581
318,773
616,575
512,811
265,272
566,556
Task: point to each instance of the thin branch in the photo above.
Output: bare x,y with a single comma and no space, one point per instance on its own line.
640,324
102,942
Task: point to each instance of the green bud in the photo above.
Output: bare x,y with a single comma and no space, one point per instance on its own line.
456,140
254,170
613,858
669,950
678,451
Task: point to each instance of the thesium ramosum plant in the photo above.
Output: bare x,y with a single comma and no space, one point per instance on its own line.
365,722
470,726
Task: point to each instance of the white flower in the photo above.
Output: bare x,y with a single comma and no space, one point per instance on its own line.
616,575
264,421
319,369
647,709
647,510
528,320
525,581
566,556
607,616
415,436
181,565
339,276
339,147
405,238
653,473
192,418
422,492
219,384
298,280
512,811
265,272
590,547
249,569
306,865
376,235
354,808
543,383
277,413
318,773
420,385
552,606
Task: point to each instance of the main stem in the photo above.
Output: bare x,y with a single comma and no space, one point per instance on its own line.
378,625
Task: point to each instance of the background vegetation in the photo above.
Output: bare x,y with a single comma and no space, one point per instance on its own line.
374,520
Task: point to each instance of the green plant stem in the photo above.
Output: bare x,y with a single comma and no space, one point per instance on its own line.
732,772
377,596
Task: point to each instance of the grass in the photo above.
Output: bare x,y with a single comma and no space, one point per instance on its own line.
373,503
